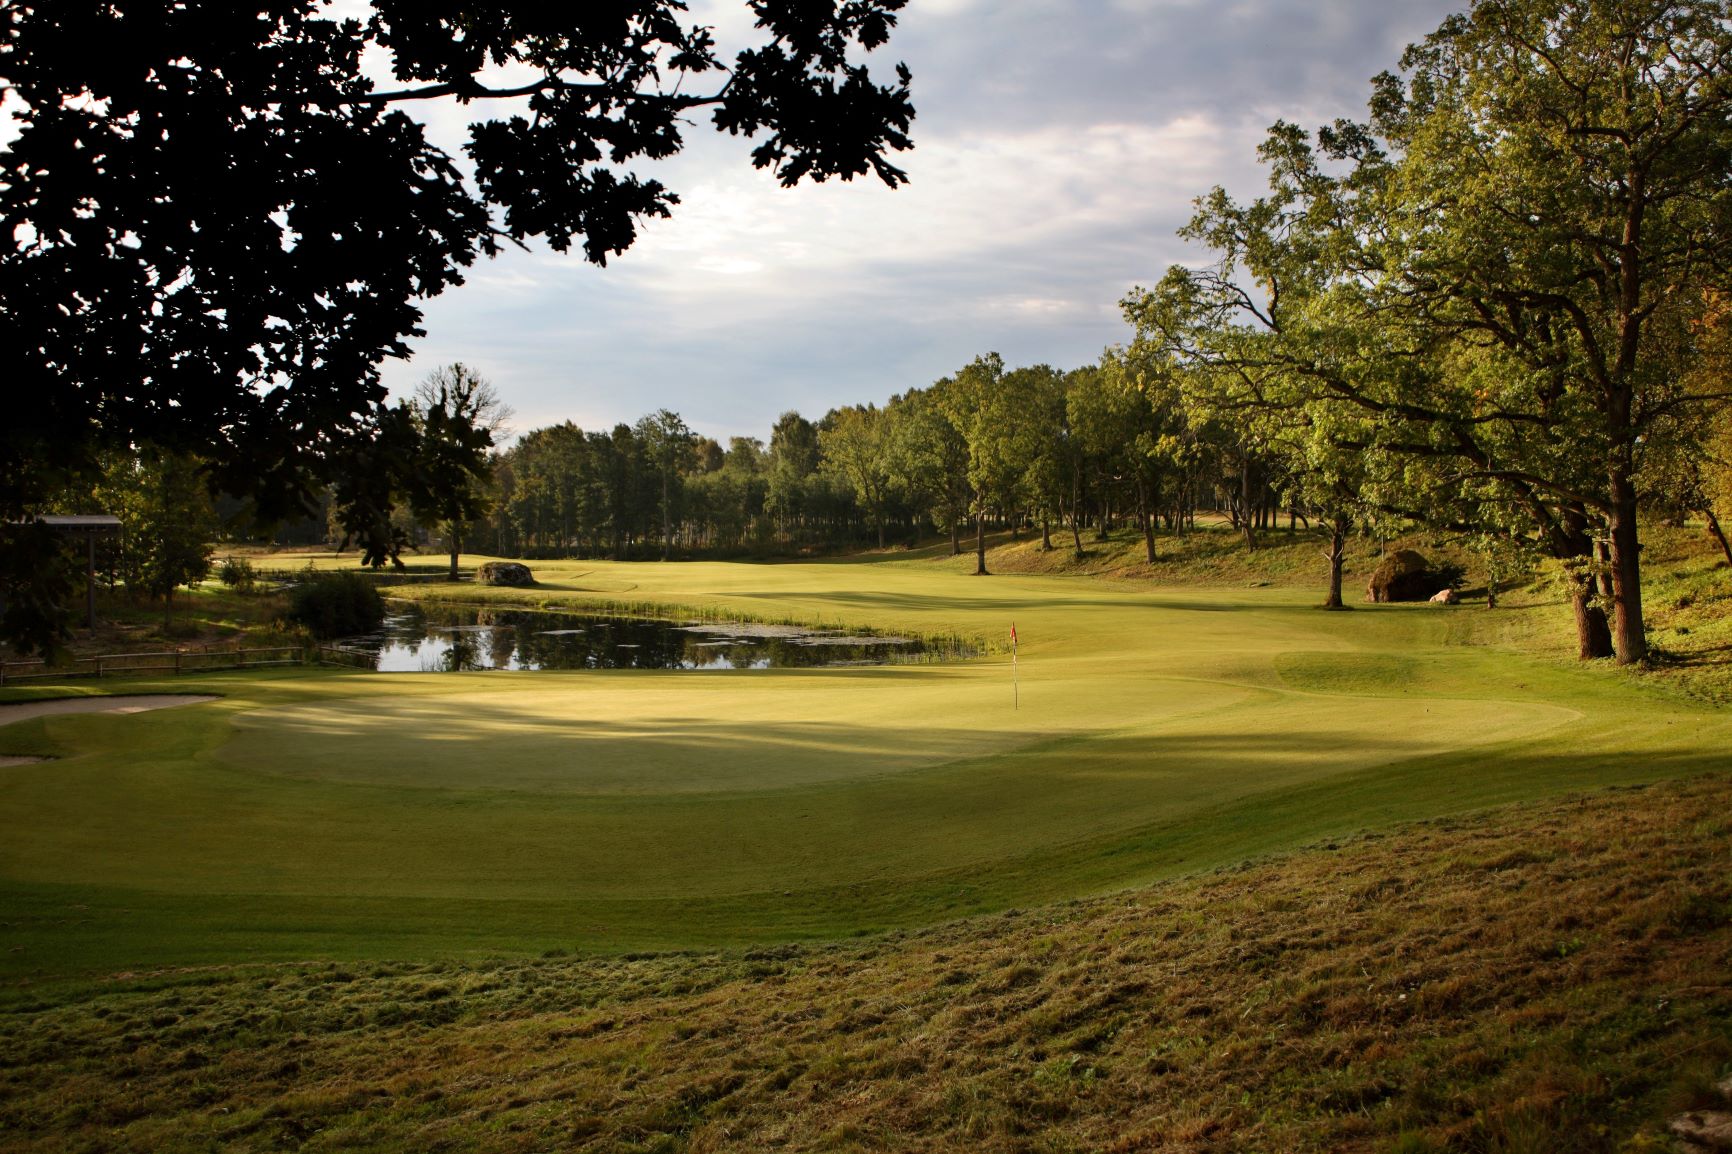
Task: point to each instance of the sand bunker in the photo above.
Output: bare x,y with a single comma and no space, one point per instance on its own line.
137,703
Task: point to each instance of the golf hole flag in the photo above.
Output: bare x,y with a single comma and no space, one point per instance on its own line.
1015,688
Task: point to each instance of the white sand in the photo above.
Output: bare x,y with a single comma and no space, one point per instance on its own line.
138,703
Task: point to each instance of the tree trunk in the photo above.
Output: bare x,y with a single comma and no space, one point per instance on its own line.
1076,512
1148,520
1630,637
1245,503
1571,544
955,536
168,609
1045,534
1593,635
980,544
1718,534
456,547
1337,561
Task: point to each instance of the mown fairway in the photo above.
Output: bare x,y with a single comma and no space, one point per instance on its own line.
334,814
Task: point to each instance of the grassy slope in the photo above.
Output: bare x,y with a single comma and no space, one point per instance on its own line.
373,816
1543,978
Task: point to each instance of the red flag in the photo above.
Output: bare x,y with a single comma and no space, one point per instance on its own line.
1013,635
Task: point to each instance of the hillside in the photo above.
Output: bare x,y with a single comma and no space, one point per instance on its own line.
1538,978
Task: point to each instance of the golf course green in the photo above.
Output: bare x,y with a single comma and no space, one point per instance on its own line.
322,813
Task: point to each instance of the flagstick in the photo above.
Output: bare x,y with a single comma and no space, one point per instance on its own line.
1015,688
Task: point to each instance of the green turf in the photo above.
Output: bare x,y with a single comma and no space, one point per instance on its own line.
334,814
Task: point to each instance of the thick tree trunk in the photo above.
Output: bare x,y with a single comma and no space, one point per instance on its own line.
955,536
1593,635
980,545
1571,544
1337,558
1629,633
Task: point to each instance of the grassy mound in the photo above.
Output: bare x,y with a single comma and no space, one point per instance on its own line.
1546,977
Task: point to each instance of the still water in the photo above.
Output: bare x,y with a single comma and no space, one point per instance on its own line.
444,639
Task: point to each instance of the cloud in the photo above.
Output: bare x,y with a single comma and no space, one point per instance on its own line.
1059,146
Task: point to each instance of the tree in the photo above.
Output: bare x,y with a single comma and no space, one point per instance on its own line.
793,461
669,442
928,459
855,445
460,415
989,409
1558,185
218,227
1503,270
167,520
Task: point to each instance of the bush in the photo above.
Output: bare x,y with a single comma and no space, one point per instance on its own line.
336,605
239,574
1449,575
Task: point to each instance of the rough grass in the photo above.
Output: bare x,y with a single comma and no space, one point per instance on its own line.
208,614
1541,978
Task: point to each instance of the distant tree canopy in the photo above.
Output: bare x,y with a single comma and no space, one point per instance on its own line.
216,226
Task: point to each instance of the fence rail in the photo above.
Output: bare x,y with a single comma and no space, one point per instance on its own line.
165,661
348,658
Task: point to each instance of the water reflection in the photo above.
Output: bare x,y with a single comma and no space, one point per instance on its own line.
445,639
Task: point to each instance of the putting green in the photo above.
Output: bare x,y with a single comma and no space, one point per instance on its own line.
314,813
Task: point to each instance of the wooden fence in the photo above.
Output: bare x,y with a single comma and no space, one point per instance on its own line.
167,661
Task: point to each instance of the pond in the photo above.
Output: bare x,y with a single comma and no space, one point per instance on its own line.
443,639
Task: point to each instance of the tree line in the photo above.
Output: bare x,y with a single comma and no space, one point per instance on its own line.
989,447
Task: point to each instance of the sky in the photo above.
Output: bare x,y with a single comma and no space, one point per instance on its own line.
1058,147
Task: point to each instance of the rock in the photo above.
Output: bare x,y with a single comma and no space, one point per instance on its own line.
1445,597
504,573
1704,1130
1402,576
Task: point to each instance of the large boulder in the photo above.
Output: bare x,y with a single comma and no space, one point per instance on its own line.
1445,597
504,573
1402,576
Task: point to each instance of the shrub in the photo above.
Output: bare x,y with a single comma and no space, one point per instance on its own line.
336,605
239,574
1449,575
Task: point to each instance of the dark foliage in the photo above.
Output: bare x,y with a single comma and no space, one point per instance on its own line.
218,227
336,605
